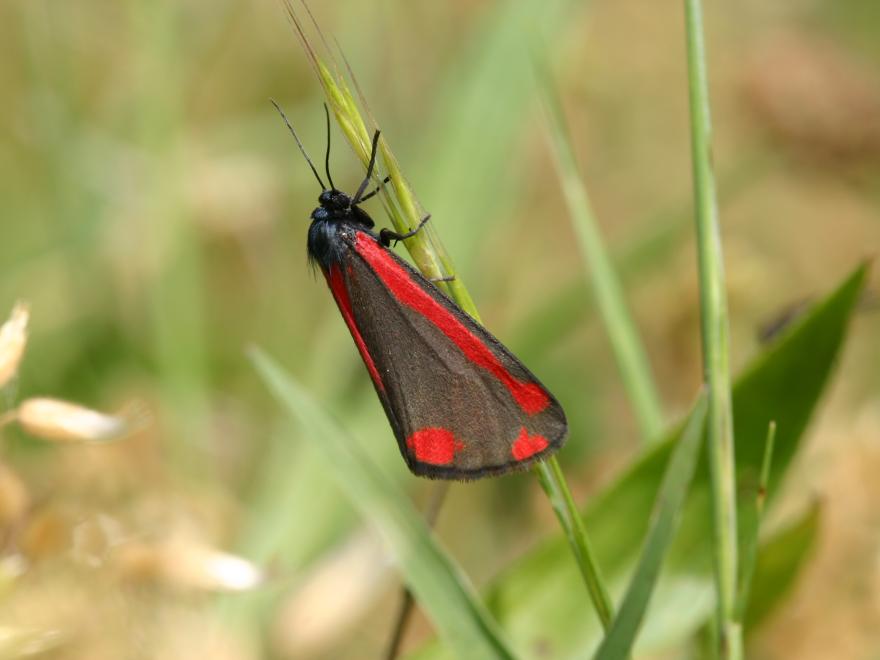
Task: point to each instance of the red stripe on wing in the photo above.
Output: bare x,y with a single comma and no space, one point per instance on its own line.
337,287
531,397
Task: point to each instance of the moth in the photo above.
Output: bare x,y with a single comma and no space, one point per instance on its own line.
460,404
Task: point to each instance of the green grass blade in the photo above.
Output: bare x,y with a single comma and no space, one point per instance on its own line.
780,560
715,335
483,96
176,307
752,525
443,591
779,385
550,477
637,258
628,349
679,472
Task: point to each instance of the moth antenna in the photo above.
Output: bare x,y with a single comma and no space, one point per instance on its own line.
300,144
360,191
327,155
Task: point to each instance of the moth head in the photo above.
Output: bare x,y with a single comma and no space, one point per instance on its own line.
334,200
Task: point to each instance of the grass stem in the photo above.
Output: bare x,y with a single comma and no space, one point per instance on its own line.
750,552
629,352
714,330
439,490
553,482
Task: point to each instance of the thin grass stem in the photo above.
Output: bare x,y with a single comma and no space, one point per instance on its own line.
750,553
407,602
714,331
553,482
629,352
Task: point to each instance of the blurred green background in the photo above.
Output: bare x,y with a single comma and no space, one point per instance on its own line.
154,217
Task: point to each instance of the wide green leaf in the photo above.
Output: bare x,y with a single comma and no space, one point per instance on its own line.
535,600
780,561
440,587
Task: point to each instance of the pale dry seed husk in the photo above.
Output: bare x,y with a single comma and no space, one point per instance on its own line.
188,564
13,339
61,421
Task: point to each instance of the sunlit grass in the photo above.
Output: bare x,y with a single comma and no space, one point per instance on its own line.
154,220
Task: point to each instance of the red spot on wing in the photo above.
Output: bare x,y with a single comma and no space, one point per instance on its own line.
531,397
434,445
527,445
337,287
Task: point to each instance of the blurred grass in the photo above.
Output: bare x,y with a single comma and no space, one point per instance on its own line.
779,384
621,636
625,342
442,590
780,562
154,214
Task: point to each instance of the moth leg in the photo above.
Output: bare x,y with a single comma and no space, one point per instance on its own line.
360,191
388,235
375,190
448,278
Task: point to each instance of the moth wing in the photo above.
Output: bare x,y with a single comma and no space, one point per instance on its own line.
460,404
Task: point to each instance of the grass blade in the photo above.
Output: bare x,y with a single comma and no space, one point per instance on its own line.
714,331
779,384
443,591
550,477
620,638
628,349
753,526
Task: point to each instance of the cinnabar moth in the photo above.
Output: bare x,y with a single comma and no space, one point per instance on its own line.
461,405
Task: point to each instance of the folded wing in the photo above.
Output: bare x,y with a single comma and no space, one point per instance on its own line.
460,404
